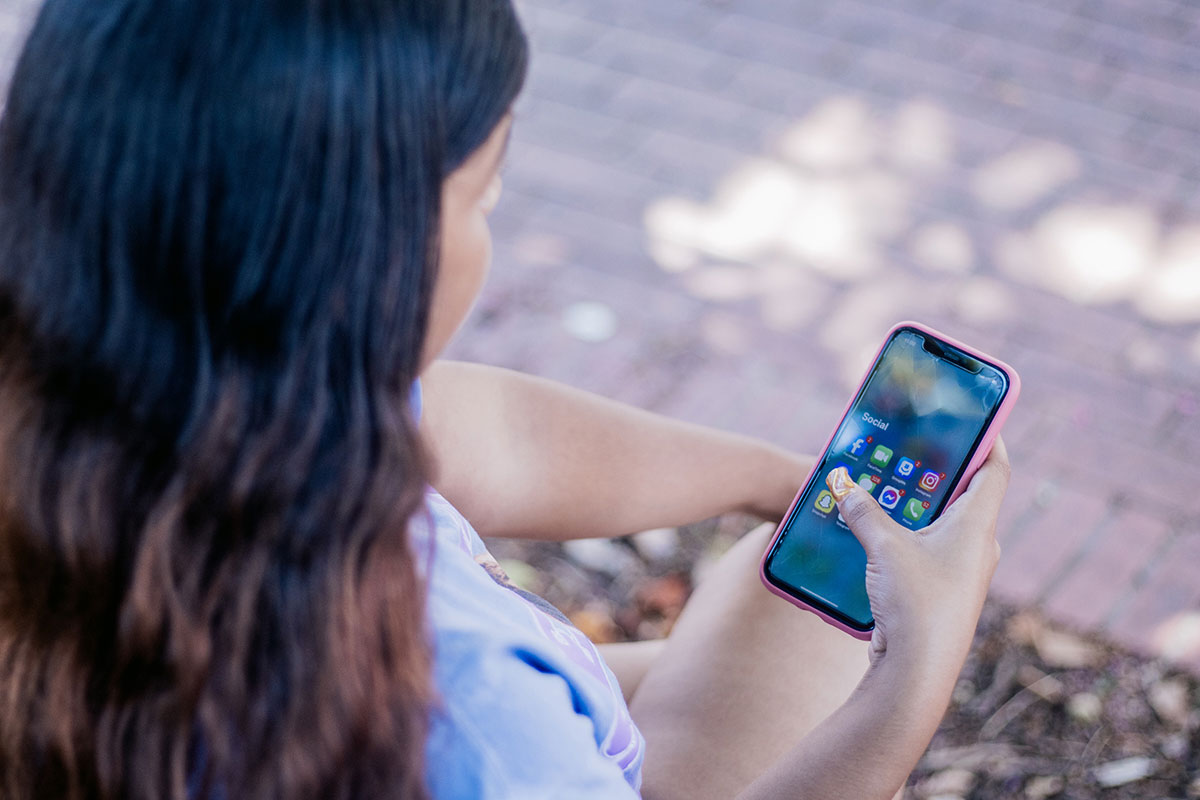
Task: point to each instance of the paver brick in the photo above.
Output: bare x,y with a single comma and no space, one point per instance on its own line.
1022,507
790,15
1034,556
1171,56
555,125
679,63
1170,588
788,93
1157,475
1090,590
690,167
726,121
572,80
572,179
1095,399
553,30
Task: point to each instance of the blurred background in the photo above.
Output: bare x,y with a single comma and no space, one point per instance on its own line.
715,209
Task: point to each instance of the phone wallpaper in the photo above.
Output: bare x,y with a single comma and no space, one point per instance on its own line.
905,439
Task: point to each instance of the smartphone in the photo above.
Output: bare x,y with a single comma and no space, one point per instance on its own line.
922,421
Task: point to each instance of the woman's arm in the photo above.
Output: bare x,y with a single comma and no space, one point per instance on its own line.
524,456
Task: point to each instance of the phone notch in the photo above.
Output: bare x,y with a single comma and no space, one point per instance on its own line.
952,355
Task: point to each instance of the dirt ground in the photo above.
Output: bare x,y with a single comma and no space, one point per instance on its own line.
1039,712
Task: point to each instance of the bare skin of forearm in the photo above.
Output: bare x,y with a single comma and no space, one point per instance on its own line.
523,456
867,748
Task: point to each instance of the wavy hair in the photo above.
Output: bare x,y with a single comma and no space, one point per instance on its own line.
218,241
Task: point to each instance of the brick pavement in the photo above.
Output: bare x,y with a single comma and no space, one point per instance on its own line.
757,189
795,176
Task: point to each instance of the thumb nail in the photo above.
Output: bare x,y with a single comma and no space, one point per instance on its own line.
839,484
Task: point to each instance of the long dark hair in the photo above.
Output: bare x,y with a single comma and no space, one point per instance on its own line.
218,240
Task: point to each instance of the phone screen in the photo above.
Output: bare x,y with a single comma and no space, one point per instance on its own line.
907,438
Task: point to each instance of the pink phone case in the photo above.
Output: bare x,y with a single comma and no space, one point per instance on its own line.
981,454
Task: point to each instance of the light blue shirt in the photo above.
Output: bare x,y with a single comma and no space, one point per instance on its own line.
527,708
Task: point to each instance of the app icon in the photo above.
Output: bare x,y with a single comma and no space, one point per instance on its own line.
930,480
914,509
857,446
889,497
824,502
881,456
868,482
905,467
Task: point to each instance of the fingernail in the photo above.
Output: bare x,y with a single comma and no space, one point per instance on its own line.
839,483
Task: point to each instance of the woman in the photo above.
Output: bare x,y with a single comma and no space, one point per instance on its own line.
234,237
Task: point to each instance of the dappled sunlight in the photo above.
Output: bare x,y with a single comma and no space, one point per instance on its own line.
1146,356
943,247
839,134
922,138
1089,254
837,200
744,219
1178,638
1096,255
1171,293
783,230
840,223
767,209
1020,178
671,254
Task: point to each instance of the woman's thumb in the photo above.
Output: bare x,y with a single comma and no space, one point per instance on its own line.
867,520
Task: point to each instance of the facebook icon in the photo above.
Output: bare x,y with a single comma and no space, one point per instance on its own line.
856,446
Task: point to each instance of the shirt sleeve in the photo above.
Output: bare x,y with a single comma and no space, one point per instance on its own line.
508,726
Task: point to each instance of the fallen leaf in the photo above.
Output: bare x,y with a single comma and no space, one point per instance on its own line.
952,782
1058,649
1171,700
1085,707
1044,786
596,624
973,756
1175,746
1062,650
1123,771
1025,628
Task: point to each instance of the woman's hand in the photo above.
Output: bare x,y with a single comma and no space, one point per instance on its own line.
927,587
